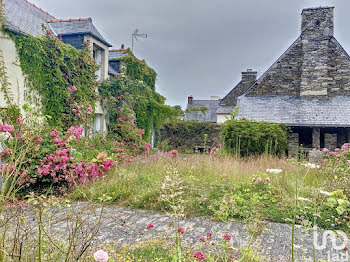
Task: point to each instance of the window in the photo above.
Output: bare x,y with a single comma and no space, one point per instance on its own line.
97,54
98,123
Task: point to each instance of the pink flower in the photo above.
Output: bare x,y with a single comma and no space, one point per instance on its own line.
212,243
199,256
101,256
259,180
6,128
345,152
226,237
202,239
325,150
174,153
89,110
331,153
181,230
150,226
72,89
346,145
348,161
338,155
267,179
209,235
224,175
38,139
212,219
54,133
19,121
337,150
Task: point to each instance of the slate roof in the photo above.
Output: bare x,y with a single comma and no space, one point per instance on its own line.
208,116
25,17
116,53
296,111
76,26
225,109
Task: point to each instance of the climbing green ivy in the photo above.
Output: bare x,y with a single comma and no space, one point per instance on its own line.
138,69
51,68
135,87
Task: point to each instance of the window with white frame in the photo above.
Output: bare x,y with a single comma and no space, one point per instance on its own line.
98,124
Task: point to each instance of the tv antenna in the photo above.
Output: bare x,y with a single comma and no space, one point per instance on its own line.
135,35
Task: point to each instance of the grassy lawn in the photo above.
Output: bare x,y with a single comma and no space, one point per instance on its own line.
225,188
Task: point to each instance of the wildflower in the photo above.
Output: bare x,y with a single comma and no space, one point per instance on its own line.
259,180
325,193
337,150
304,199
72,89
212,243
101,155
199,256
346,145
209,235
226,237
312,166
181,230
331,153
89,110
19,121
212,219
150,226
224,175
38,139
325,150
345,152
274,170
6,128
202,239
101,256
267,179
54,133
174,153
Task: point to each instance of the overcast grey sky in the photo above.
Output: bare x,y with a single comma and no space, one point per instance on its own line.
200,47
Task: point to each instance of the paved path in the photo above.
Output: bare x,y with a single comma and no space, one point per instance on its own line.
126,226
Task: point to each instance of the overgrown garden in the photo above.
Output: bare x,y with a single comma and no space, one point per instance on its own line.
49,162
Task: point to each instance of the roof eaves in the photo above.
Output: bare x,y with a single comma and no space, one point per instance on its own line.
37,7
89,33
14,30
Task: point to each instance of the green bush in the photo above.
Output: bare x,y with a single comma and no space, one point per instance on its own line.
187,134
245,137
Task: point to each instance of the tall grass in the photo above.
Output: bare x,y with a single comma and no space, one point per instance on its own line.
207,178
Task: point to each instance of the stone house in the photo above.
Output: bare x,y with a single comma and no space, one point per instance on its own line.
25,18
307,88
202,110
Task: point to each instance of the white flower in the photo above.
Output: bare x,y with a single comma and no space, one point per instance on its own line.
311,165
101,256
304,199
274,171
325,193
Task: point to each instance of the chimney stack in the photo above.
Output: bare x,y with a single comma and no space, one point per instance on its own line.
317,23
249,77
190,99
122,47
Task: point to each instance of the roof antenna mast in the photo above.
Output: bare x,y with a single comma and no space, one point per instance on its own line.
135,35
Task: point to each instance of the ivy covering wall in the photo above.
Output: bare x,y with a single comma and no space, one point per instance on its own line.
134,90
52,68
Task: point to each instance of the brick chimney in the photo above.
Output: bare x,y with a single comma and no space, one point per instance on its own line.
190,100
317,28
249,77
122,47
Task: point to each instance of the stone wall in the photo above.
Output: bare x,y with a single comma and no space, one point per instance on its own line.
330,141
293,144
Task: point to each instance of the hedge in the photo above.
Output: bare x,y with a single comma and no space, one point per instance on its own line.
187,134
245,138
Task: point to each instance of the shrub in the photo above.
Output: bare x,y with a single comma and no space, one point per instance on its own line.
187,134
245,137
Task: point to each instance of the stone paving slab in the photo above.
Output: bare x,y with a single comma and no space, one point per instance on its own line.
121,225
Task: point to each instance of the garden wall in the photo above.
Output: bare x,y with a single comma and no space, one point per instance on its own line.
187,134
